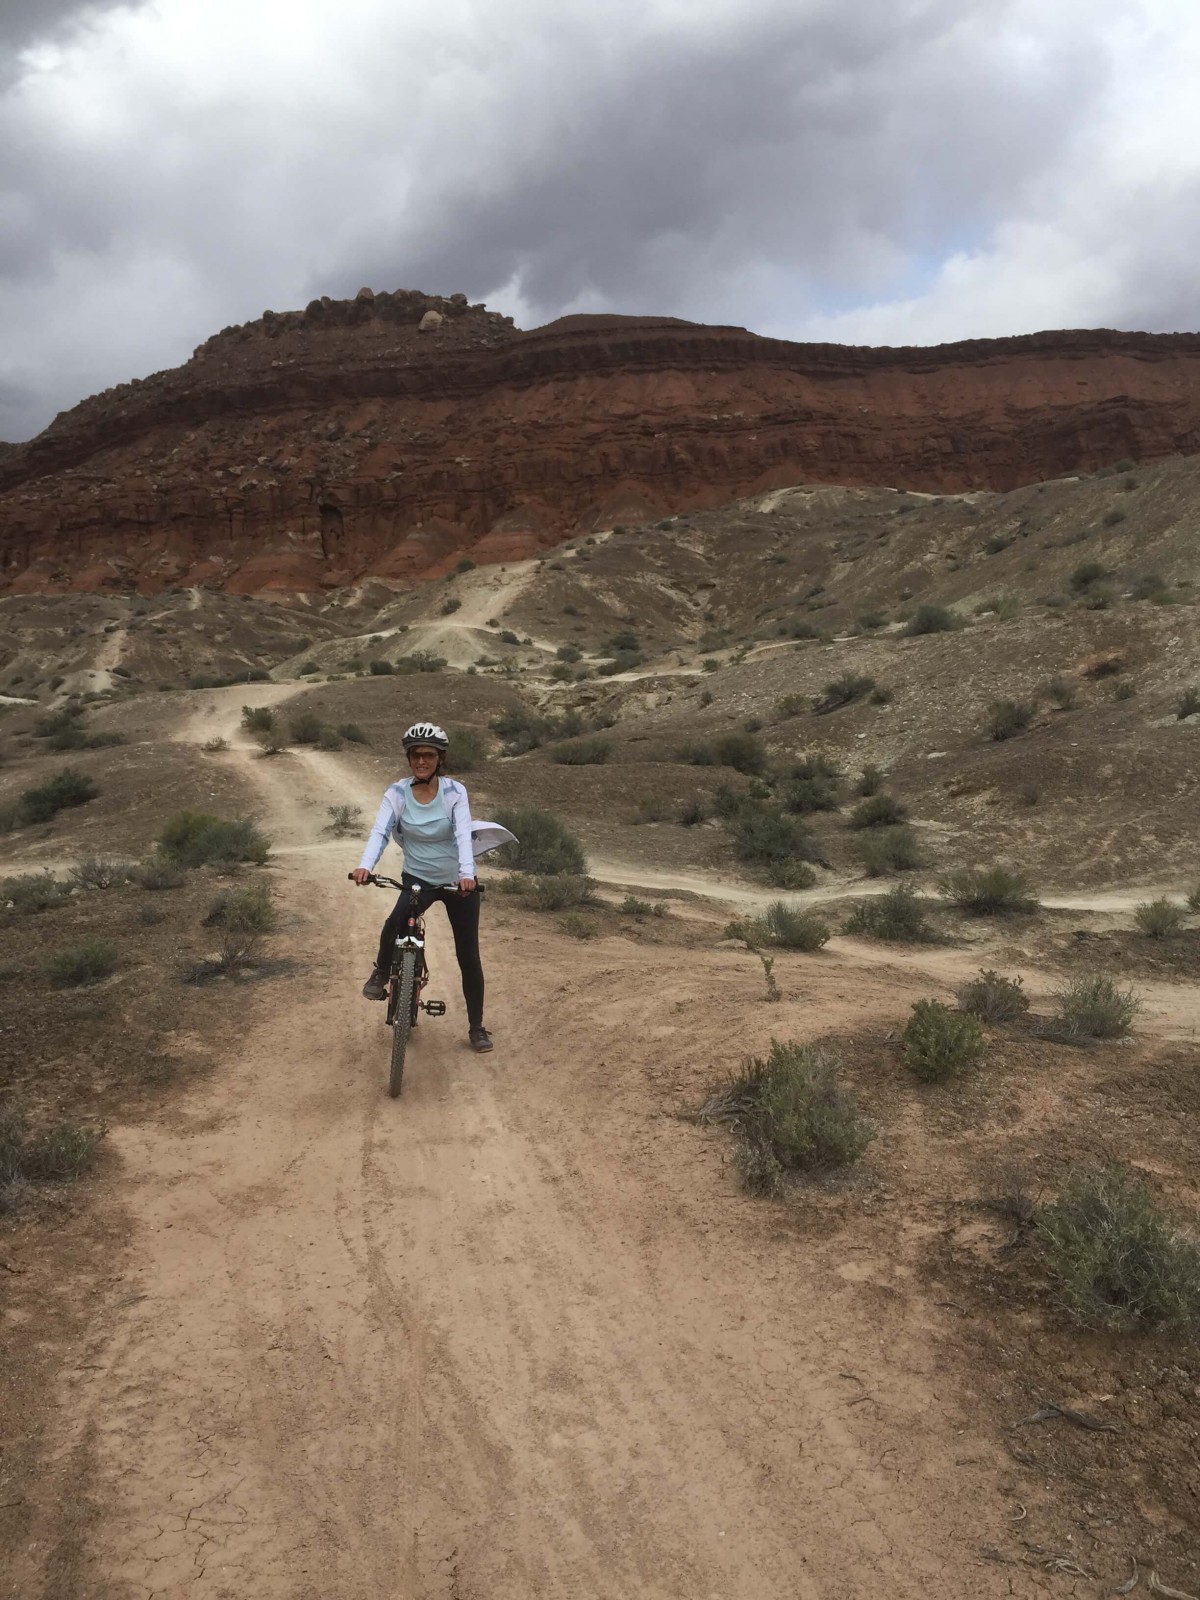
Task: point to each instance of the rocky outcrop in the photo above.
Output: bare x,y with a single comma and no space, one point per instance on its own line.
390,434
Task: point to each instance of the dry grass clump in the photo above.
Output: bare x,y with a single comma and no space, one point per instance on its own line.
1116,1257
32,891
97,872
989,891
791,927
1007,718
879,811
343,820
243,918
60,1153
940,1043
577,925
993,998
885,850
1159,919
790,1114
1093,1007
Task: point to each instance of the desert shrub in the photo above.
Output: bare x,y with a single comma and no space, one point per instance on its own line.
464,565
885,850
98,873
878,811
569,652
881,695
1005,606
993,998
931,619
1125,691
507,636
842,691
450,605
560,892
624,661
794,928
215,745
352,733
1029,794
1160,919
582,753
258,719
1061,692
1150,586
1188,704
623,641
545,845
329,739
1193,898
343,819
1086,574
87,962
521,730
306,728
243,918
58,721
32,891
420,661
577,925
791,705
1111,518
1116,1257
709,664
468,749
808,795
1093,1007
870,620
1007,718
652,808
772,840
693,812
67,788
158,874
744,752
697,755
61,1152
991,891
380,669
791,1114
194,839
939,1043
870,780
897,916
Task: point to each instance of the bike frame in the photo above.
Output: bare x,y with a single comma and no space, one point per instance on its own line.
413,938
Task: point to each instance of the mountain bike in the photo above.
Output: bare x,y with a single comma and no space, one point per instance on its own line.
407,978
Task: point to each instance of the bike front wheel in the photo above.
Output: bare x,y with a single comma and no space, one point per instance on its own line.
406,993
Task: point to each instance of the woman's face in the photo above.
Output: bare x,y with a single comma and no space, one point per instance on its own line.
423,762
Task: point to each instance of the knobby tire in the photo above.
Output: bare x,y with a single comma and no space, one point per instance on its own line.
406,985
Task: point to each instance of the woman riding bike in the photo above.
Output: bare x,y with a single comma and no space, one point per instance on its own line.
430,817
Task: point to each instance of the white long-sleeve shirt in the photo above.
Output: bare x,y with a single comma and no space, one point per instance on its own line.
391,810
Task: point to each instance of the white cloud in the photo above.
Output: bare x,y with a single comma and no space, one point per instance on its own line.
879,171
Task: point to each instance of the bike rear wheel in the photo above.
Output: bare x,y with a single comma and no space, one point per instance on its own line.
406,993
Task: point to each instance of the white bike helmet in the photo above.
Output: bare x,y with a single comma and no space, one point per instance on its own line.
426,733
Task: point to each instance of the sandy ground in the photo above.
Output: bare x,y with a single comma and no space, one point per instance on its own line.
510,1336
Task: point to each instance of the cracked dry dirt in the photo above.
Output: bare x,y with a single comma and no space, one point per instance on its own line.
515,1335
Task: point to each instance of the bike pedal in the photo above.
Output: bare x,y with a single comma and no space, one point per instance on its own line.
434,1008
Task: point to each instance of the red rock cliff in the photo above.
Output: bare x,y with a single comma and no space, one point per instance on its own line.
388,435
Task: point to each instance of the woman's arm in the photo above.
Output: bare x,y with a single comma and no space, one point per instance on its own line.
461,813
385,822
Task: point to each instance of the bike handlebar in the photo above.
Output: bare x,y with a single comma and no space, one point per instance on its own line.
381,882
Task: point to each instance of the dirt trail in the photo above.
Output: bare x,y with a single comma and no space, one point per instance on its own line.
513,1337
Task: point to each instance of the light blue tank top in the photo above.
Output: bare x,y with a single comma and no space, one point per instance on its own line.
427,838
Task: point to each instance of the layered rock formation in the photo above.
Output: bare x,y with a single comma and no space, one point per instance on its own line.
390,435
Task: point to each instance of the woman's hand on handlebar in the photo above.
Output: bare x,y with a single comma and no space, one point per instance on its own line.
361,876
466,886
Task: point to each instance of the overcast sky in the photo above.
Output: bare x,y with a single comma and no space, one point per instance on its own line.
867,171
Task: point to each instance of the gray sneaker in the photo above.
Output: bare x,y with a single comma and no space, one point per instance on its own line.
480,1039
376,986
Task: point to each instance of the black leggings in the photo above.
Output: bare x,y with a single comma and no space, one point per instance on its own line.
463,911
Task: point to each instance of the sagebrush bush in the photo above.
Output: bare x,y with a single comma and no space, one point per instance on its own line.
1116,1257
807,795
791,1114
1007,718
879,811
1093,1007
258,719
1193,899
243,918
939,1043
870,781
843,691
306,728
67,788
158,874
993,998
352,733
991,891
32,891
885,850
214,746
931,619
1086,574
468,749
343,819
768,838
897,915
577,925
693,812
744,752
195,839
560,892
582,753
1160,919
1188,704
545,845
793,927
87,962
96,872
